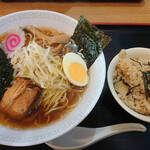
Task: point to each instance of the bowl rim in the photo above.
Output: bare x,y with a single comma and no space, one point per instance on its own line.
110,71
37,10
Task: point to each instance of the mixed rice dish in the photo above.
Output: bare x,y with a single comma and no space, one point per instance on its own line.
132,82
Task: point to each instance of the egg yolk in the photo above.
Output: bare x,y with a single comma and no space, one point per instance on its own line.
77,72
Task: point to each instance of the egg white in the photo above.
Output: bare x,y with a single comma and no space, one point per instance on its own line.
70,58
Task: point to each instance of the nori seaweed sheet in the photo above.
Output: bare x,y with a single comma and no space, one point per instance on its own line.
90,39
6,73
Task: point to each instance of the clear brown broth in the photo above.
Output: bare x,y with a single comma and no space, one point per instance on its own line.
29,122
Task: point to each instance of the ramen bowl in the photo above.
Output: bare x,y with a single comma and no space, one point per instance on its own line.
21,137
140,52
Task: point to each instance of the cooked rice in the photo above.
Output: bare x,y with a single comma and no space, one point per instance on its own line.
130,71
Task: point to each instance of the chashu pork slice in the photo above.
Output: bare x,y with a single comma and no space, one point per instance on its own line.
20,98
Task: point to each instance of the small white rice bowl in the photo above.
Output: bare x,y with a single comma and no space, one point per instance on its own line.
14,137
127,67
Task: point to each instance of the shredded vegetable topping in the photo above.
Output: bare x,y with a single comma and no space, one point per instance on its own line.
40,65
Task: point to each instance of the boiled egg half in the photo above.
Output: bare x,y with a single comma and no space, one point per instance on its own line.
75,69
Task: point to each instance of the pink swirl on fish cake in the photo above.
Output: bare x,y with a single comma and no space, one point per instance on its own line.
12,41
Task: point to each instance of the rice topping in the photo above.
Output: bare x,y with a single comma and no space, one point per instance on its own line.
129,82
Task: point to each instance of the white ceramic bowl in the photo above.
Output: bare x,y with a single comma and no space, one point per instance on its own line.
66,24
132,52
